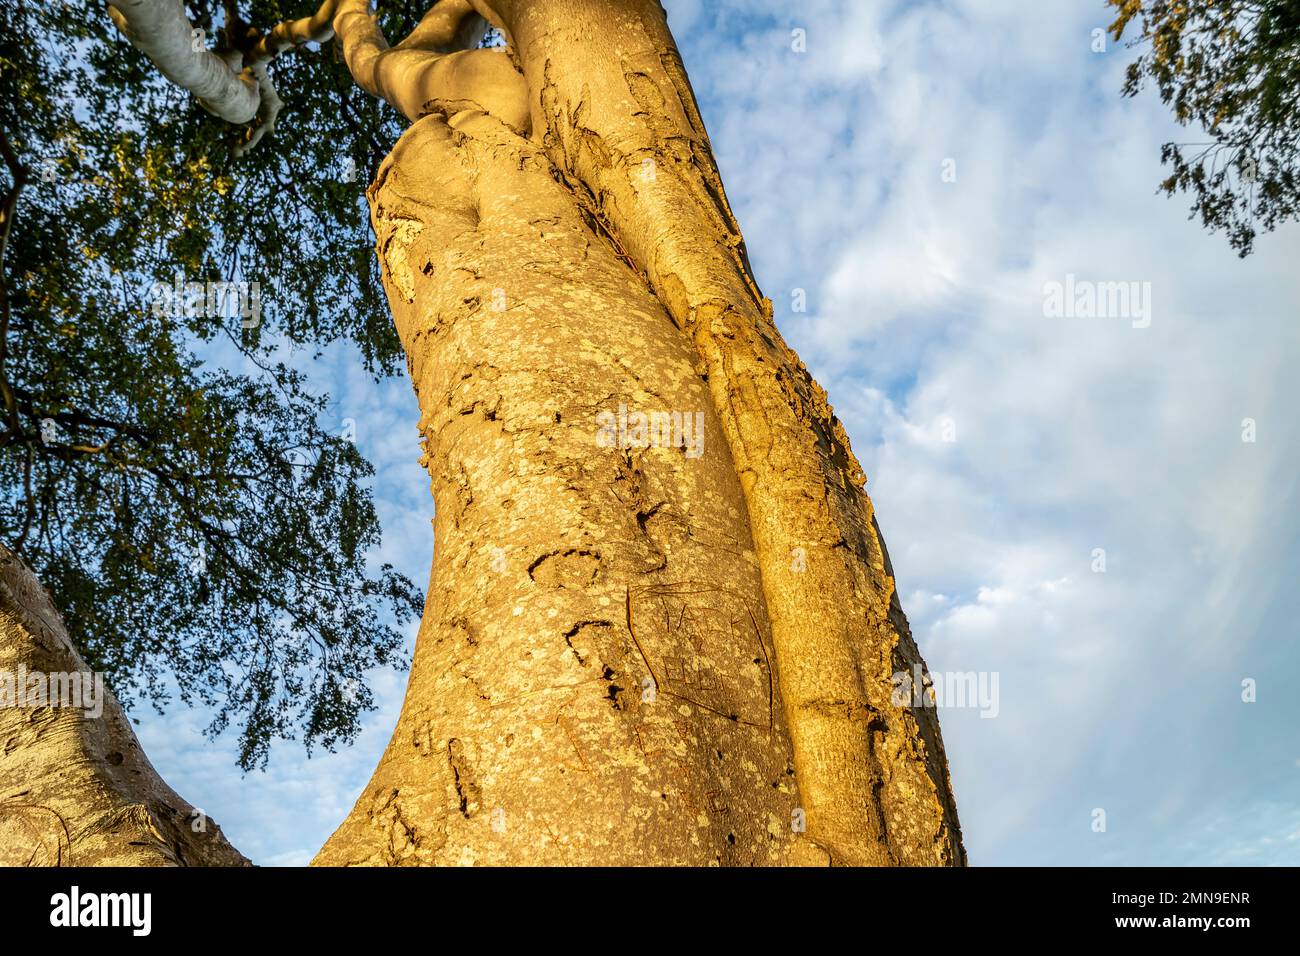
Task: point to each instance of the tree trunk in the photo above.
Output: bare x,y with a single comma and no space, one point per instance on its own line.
537,283
75,787
593,680
633,650
612,104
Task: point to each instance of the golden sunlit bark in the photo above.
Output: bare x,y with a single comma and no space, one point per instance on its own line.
612,106
593,679
633,651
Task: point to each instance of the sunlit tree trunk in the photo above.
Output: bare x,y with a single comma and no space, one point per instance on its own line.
629,654
593,681
536,283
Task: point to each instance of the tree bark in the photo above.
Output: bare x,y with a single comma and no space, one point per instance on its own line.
76,789
610,102
593,679
606,242
628,654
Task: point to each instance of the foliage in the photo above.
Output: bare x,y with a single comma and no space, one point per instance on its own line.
165,471
1231,67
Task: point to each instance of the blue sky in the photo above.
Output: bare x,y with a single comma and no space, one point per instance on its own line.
1119,691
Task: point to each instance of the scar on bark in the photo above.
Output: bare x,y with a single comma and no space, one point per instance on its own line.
568,568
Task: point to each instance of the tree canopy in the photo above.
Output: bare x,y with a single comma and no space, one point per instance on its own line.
198,519
1231,67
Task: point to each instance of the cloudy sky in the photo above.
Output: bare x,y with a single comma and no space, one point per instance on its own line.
921,173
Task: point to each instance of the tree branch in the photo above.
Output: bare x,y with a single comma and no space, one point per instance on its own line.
161,31
232,82
431,66
434,65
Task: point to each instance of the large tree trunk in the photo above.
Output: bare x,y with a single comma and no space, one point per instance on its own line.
628,654
593,680
536,283
75,787
610,99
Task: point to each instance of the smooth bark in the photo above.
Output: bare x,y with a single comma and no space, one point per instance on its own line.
76,789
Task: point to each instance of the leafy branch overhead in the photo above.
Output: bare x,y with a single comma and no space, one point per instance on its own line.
196,511
1231,67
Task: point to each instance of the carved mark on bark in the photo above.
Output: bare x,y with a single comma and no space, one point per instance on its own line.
684,632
